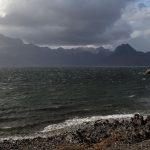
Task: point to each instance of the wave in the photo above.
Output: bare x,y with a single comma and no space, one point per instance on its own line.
54,107
131,96
68,123
13,110
78,121
15,138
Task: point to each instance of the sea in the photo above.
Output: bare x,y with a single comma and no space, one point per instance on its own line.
40,100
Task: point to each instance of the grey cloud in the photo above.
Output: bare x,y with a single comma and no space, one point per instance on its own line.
138,18
140,43
66,22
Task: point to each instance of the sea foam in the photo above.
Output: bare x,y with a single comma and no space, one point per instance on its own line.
68,123
78,121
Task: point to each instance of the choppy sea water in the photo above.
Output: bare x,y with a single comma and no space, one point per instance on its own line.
43,99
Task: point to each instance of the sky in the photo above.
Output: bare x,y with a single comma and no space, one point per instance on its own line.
72,23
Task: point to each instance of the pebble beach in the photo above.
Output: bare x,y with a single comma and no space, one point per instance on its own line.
112,134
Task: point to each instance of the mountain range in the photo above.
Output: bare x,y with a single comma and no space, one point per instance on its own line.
15,53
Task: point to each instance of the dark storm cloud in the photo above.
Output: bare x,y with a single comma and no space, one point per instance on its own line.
66,22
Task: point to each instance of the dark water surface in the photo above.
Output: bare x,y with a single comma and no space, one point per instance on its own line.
33,98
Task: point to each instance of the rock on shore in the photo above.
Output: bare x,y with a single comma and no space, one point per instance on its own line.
99,135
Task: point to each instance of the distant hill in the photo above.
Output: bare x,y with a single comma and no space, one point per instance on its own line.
15,53
125,55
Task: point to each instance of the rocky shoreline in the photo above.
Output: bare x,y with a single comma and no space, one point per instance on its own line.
113,134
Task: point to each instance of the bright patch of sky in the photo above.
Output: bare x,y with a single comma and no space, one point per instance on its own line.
3,7
145,2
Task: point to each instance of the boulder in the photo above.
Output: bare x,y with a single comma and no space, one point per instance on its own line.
147,71
147,121
137,120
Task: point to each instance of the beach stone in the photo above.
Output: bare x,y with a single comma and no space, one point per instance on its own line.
147,121
127,131
147,71
137,120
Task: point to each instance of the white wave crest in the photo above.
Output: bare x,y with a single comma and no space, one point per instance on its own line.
78,121
67,123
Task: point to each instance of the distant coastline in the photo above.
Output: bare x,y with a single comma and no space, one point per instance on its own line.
15,53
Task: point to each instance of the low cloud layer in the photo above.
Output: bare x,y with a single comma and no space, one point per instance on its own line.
73,22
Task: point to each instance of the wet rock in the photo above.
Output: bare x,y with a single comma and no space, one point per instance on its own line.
147,121
124,131
147,72
137,120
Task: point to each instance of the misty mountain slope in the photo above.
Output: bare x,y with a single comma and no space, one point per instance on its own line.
14,53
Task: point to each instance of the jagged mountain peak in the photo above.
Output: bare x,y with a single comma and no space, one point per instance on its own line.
13,52
125,48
